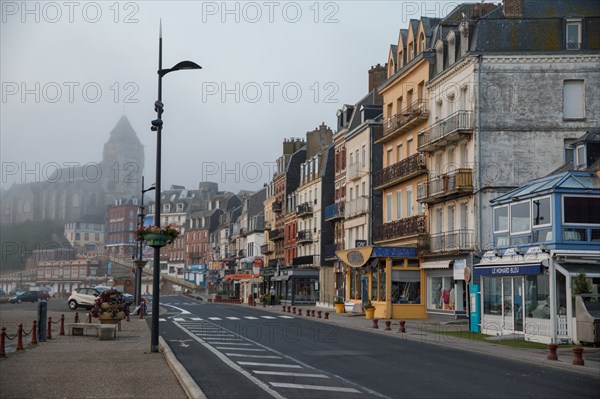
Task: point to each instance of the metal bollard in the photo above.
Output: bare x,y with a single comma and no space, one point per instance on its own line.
319,314
41,321
299,312
552,352
312,313
49,329
283,310
375,325
2,340
76,317
402,329
61,331
388,325
20,337
89,318
326,315
294,310
578,356
34,333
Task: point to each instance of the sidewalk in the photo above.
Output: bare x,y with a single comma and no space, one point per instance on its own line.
84,366
425,331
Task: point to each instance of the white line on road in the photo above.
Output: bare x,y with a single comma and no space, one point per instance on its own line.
210,340
232,318
254,356
241,349
317,387
268,317
287,373
287,317
161,319
196,318
234,366
178,319
250,317
214,318
291,366
183,311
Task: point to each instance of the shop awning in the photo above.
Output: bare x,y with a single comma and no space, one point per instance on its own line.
509,269
440,264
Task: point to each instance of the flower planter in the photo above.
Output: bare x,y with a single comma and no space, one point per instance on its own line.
108,318
156,240
339,308
370,313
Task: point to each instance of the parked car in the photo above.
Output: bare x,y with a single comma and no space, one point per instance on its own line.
3,296
85,297
28,296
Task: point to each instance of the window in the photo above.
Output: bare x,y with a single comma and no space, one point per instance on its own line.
409,201
541,212
537,304
573,99
581,210
390,159
388,212
399,152
573,33
492,296
500,219
580,162
519,217
406,286
378,284
399,204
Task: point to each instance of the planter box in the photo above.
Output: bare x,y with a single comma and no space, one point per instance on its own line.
156,240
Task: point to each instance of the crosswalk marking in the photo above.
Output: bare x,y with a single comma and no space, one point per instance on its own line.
291,366
268,317
242,349
233,318
254,356
210,340
316,387
196,318
162,319
287,373
214,318
178,319
250,317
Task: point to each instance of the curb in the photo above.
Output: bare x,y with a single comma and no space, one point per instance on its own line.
192,390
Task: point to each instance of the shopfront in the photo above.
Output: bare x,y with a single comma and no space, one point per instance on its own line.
446,286
389,277
295,286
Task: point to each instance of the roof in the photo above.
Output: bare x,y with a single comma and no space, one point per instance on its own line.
573,180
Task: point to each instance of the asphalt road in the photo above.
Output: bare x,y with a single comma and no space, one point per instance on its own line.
234,351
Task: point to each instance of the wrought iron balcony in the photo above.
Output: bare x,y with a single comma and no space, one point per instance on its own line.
304,209
357,206
308,260
451,241
277,206
277,234
304,236
449,185
414,114
334,211
446,131
267,225
267,249
406,169
401,228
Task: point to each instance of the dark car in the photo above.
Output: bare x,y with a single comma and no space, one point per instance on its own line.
27,296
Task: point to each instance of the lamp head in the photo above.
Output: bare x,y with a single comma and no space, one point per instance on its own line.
497,253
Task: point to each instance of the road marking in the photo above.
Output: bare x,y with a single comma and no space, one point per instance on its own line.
183,311
287,317
317,387
287,373
250,317
161,319
227,343
196,318
214,318
178,319
234,366
291,366
241,349
268,317
233,318
254,356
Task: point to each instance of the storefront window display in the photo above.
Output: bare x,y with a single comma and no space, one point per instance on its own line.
439,288
378,284
355,285
492,296
406,286
537,297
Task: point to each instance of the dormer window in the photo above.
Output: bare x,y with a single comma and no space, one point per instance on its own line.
400,59
573,34
179,207
451,48
166,207
580,162
439,56
421,43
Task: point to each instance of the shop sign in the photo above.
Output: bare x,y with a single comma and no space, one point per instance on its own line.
508,270
459,269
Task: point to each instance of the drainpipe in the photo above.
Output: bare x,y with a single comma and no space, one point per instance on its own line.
553,298
478,149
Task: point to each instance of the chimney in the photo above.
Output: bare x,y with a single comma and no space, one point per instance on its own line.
513,8
377,75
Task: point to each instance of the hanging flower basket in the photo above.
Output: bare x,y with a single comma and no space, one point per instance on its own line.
155,236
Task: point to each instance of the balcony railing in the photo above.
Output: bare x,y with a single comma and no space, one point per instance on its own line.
450,185
277,206
410,116
407,168
334,211
356,206
401,228
267,225
308,260
356,170
277,234
446,131
330,249
267,249
304,209
304,236
456,240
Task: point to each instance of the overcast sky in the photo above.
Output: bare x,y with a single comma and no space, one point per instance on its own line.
271,70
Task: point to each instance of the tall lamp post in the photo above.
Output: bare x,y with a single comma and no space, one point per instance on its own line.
157,127
139,264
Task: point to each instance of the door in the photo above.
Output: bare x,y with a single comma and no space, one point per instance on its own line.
512,293
365,289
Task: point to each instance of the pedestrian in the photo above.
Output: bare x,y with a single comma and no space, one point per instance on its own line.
272,293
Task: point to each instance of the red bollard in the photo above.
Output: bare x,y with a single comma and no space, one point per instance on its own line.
375,325
61,331
552,352
49,330
34,332
283,310
20,337
319,314
89,318
578,356
388,325
2,335
326,315
402,329
76,317
312,313
289,309
299,312
294,310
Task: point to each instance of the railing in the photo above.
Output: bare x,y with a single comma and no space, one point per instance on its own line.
455,240
267,225
304,209
459,181
416,112
312,260
277,234
356,206
458,122
334,211
356,170
405,169
304,236
267,248
401,228
277,206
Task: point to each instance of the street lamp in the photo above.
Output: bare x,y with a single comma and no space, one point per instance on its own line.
157,127
139,264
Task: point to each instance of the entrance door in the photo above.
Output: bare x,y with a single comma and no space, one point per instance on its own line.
365,289
512,300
